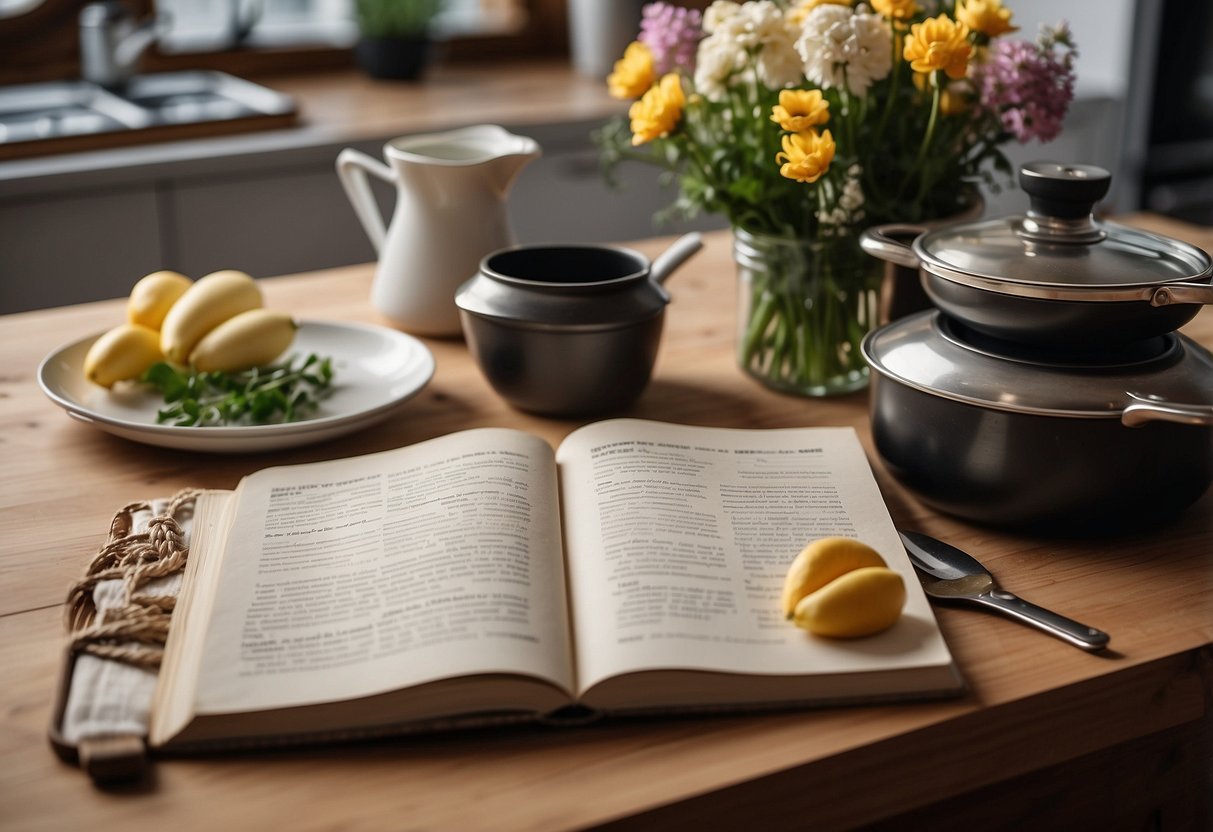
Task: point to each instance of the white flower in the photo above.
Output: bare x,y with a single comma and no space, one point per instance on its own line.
852,196
871,55
821,45
835,217
718,13
748,41
747,24
778,64
717,61
845,49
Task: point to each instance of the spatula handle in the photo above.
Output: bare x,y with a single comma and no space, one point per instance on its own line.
1067,629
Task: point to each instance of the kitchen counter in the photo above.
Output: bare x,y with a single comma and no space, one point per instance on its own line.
335,109
1047,736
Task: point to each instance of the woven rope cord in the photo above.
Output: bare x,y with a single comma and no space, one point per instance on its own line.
134,633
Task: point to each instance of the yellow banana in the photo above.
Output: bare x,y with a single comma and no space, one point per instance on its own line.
860,603
822,561
153,296
122,353
210,301
250,339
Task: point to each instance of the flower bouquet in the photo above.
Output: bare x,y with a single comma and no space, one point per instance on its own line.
805,122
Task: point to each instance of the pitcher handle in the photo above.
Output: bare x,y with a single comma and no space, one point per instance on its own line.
352,168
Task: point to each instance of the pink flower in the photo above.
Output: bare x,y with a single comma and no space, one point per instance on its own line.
672,34
1029,87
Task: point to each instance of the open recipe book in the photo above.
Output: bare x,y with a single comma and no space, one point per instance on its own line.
481,577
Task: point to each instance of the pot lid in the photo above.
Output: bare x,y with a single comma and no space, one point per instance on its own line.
1058,245
930,352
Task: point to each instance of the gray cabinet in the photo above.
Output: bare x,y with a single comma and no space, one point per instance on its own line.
71,248
280,222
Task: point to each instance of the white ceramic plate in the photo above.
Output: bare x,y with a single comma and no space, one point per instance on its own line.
375,370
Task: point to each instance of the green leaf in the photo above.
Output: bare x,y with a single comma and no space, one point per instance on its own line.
263,395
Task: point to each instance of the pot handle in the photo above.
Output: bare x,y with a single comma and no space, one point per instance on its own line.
887,242
1145,410
674,256
1182,293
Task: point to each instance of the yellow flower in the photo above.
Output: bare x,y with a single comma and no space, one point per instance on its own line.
986,16
939,43
896,9
806,156
799,12
633,73
658,112
800,110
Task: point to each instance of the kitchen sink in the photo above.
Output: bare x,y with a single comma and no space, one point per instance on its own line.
69,108
67,115
191,97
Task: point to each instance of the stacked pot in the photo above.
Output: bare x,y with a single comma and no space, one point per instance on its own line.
1049,389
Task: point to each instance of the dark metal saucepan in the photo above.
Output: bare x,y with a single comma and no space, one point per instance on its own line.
568,330
1054,276
1056,445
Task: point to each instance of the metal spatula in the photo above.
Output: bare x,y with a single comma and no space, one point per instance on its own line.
949,574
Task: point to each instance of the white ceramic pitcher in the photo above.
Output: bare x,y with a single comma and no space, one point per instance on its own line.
450,212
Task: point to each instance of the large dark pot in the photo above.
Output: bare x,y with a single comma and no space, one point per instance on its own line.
1064,446
1055,276
568,330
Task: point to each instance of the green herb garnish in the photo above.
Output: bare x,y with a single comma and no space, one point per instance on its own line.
262,395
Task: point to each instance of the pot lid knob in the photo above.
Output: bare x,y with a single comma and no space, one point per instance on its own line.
1061,199
1066,192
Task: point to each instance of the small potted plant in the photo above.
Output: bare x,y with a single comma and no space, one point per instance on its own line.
395,37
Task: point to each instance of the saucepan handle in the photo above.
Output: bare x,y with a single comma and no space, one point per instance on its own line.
1144,410
675,256
1182,293
889,242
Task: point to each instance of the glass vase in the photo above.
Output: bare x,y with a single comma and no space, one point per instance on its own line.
804,307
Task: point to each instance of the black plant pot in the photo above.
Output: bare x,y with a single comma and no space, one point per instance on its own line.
402,58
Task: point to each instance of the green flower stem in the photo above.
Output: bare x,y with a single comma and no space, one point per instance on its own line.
892,100
762,308
929,134
807,307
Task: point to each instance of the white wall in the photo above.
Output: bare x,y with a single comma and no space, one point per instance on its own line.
1093,134
1103,30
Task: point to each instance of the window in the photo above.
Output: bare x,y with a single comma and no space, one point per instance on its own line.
215,25
39,39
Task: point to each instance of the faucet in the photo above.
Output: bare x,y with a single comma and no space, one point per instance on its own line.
111,42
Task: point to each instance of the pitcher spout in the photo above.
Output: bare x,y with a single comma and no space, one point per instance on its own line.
506,167
466,147
490,153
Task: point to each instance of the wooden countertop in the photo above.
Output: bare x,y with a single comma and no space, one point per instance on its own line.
1049,736
536,92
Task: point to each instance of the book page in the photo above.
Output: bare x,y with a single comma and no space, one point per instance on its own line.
678,540
353,577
